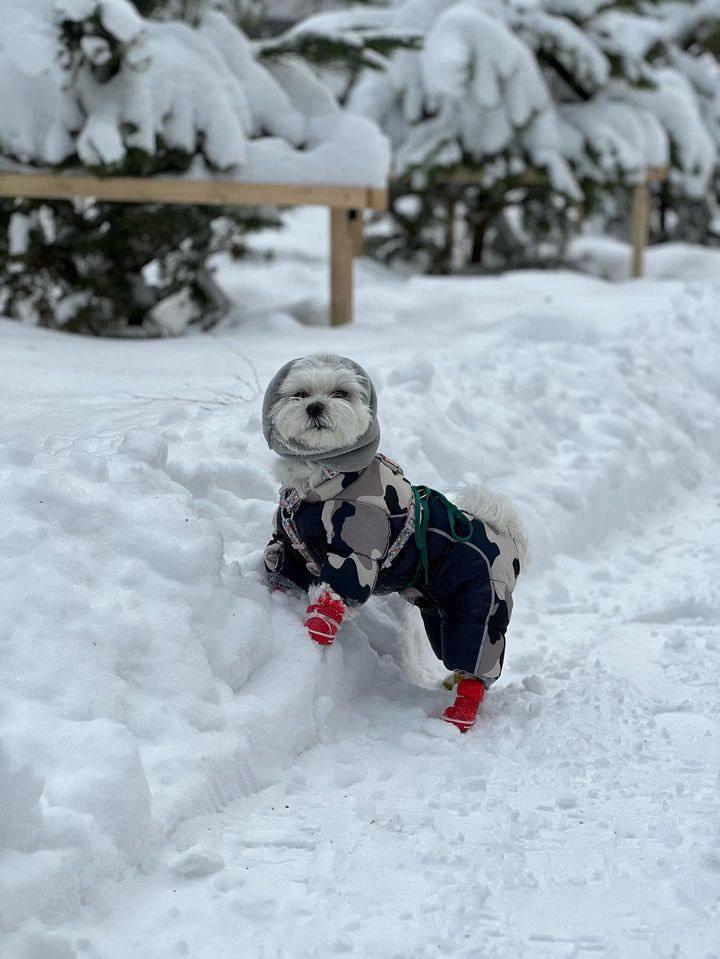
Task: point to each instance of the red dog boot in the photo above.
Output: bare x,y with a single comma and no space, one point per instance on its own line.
324,617
464,710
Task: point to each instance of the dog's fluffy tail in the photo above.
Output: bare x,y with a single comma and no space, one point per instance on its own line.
497,512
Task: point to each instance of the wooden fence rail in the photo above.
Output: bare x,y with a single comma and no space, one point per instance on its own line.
346,205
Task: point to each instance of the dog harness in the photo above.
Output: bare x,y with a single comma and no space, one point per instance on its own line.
421,498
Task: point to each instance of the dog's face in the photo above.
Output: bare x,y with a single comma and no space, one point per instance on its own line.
322,406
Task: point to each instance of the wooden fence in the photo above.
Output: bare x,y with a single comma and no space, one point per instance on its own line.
639,211
346,205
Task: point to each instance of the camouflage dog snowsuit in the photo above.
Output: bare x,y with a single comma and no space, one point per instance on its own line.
355,532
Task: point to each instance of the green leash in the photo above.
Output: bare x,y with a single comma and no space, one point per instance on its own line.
421,497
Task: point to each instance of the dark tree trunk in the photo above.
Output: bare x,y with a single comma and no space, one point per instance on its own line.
479,232
449,247
663,211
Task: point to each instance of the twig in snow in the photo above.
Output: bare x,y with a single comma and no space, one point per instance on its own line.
255,385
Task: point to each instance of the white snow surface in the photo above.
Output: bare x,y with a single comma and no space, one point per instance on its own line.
610,259
183,773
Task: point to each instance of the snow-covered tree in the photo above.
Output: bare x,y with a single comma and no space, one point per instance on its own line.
692,49
516,117
343,43
95,84
654,107
474,132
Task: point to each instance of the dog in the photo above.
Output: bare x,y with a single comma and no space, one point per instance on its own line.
349,525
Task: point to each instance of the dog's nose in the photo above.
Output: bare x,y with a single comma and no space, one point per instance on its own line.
315,409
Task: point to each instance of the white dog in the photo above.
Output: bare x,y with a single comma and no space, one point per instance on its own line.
349,525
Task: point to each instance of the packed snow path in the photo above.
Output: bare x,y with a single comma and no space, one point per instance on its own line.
183,773
578,819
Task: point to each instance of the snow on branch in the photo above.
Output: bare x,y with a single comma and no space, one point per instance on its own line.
472,94
580,89
91,82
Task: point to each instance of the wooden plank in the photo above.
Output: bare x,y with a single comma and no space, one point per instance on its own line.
464,176
342,248
639,226
377,198
202,192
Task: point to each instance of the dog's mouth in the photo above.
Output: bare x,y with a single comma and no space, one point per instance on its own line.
319,423
318,432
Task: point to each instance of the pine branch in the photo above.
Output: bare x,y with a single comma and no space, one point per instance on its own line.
551,61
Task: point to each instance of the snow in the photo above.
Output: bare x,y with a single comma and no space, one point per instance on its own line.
352,25
675,105
18,234
621,140
20,793
201,91
578,54
120,18
183,773
627,36
610,259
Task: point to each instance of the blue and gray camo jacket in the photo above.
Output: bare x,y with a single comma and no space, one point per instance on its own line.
354,533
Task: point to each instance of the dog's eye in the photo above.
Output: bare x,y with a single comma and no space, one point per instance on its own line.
300,395
339,394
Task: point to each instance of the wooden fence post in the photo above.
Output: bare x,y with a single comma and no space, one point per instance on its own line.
639,226
343,239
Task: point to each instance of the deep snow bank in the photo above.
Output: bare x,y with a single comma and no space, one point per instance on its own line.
127,634
148,675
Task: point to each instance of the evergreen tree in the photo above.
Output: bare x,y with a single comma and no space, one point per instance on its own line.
102,268
117,88
651,110
693,49
475,136
343,43
515,120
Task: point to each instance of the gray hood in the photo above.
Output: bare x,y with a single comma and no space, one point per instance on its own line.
349,459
